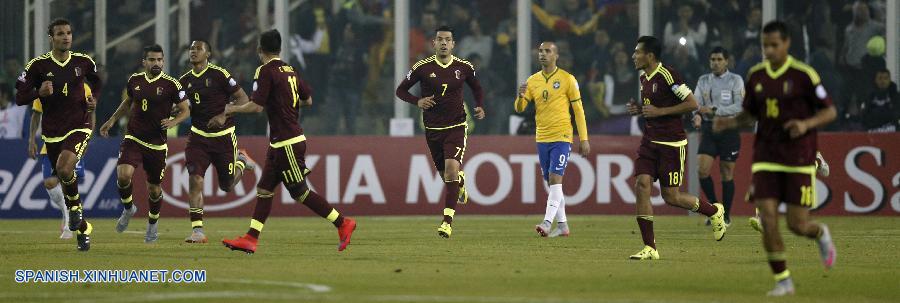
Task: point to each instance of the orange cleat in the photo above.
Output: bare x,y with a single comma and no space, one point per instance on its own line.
344,233
243,243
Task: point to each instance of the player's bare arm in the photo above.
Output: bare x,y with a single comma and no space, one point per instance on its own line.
799,128
32,132
123,108
689,105
633,108
184,111
725,123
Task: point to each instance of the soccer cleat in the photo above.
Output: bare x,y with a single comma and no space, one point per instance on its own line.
66,233
152,234
826,247
196,237
344,232
75,218
243,243
756,224
249,163
718,222
782,288
543,229
445,230
648,253
125,218
84,239
463,195
822,166
559,231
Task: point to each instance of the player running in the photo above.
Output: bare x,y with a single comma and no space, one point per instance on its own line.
441,79
209,88
150,96
787,99
553,90
57,78
665,98
279,91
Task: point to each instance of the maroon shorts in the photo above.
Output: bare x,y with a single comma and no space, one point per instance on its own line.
285,164
446,144
791,188
219,151
661,162
137,155
77,143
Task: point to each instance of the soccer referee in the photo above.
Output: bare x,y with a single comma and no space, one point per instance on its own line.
721,95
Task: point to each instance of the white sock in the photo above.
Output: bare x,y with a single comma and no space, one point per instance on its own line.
553,202
56,197
561,212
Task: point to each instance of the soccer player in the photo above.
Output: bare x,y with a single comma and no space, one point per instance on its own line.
788,100
280,91
209,88
57,78
661,155
443,111
553,90
150,96
51,182
721,94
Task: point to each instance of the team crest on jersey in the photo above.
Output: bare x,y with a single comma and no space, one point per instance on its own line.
787,87
457,73
654,88
432,75
159,91
758,88
77,71
556,84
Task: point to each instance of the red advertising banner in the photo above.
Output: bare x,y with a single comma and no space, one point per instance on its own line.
394,176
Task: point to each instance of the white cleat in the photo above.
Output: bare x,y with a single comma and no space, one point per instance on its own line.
543,229
125,218
782,288
822,167
562,230
826,248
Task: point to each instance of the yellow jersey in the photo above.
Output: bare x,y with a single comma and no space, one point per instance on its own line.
39,108
552,95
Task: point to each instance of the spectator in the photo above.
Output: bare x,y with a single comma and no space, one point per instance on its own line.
858,33
12,117
476,43
685,32
420,37
881,111
346,82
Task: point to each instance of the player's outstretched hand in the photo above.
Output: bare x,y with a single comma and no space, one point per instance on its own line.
217,121
426,103
585,148
479,113
168,123
723,123
91,103
796,128
633,108
46,89
104,129
522,89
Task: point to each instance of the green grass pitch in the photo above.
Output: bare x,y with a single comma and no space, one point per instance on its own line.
488,259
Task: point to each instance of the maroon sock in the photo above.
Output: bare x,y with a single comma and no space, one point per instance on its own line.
646,225
450,197
706,208
321,207
260,213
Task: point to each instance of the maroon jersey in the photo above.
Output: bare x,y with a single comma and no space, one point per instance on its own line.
209,91
278,88
152,101
445,83
775,97
66,108
659,89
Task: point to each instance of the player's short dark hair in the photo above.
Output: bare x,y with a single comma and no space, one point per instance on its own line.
720,50
777,26
57,22
270,41
445,28
155,48
651,45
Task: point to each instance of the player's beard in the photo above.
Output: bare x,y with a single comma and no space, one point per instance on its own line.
155,70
